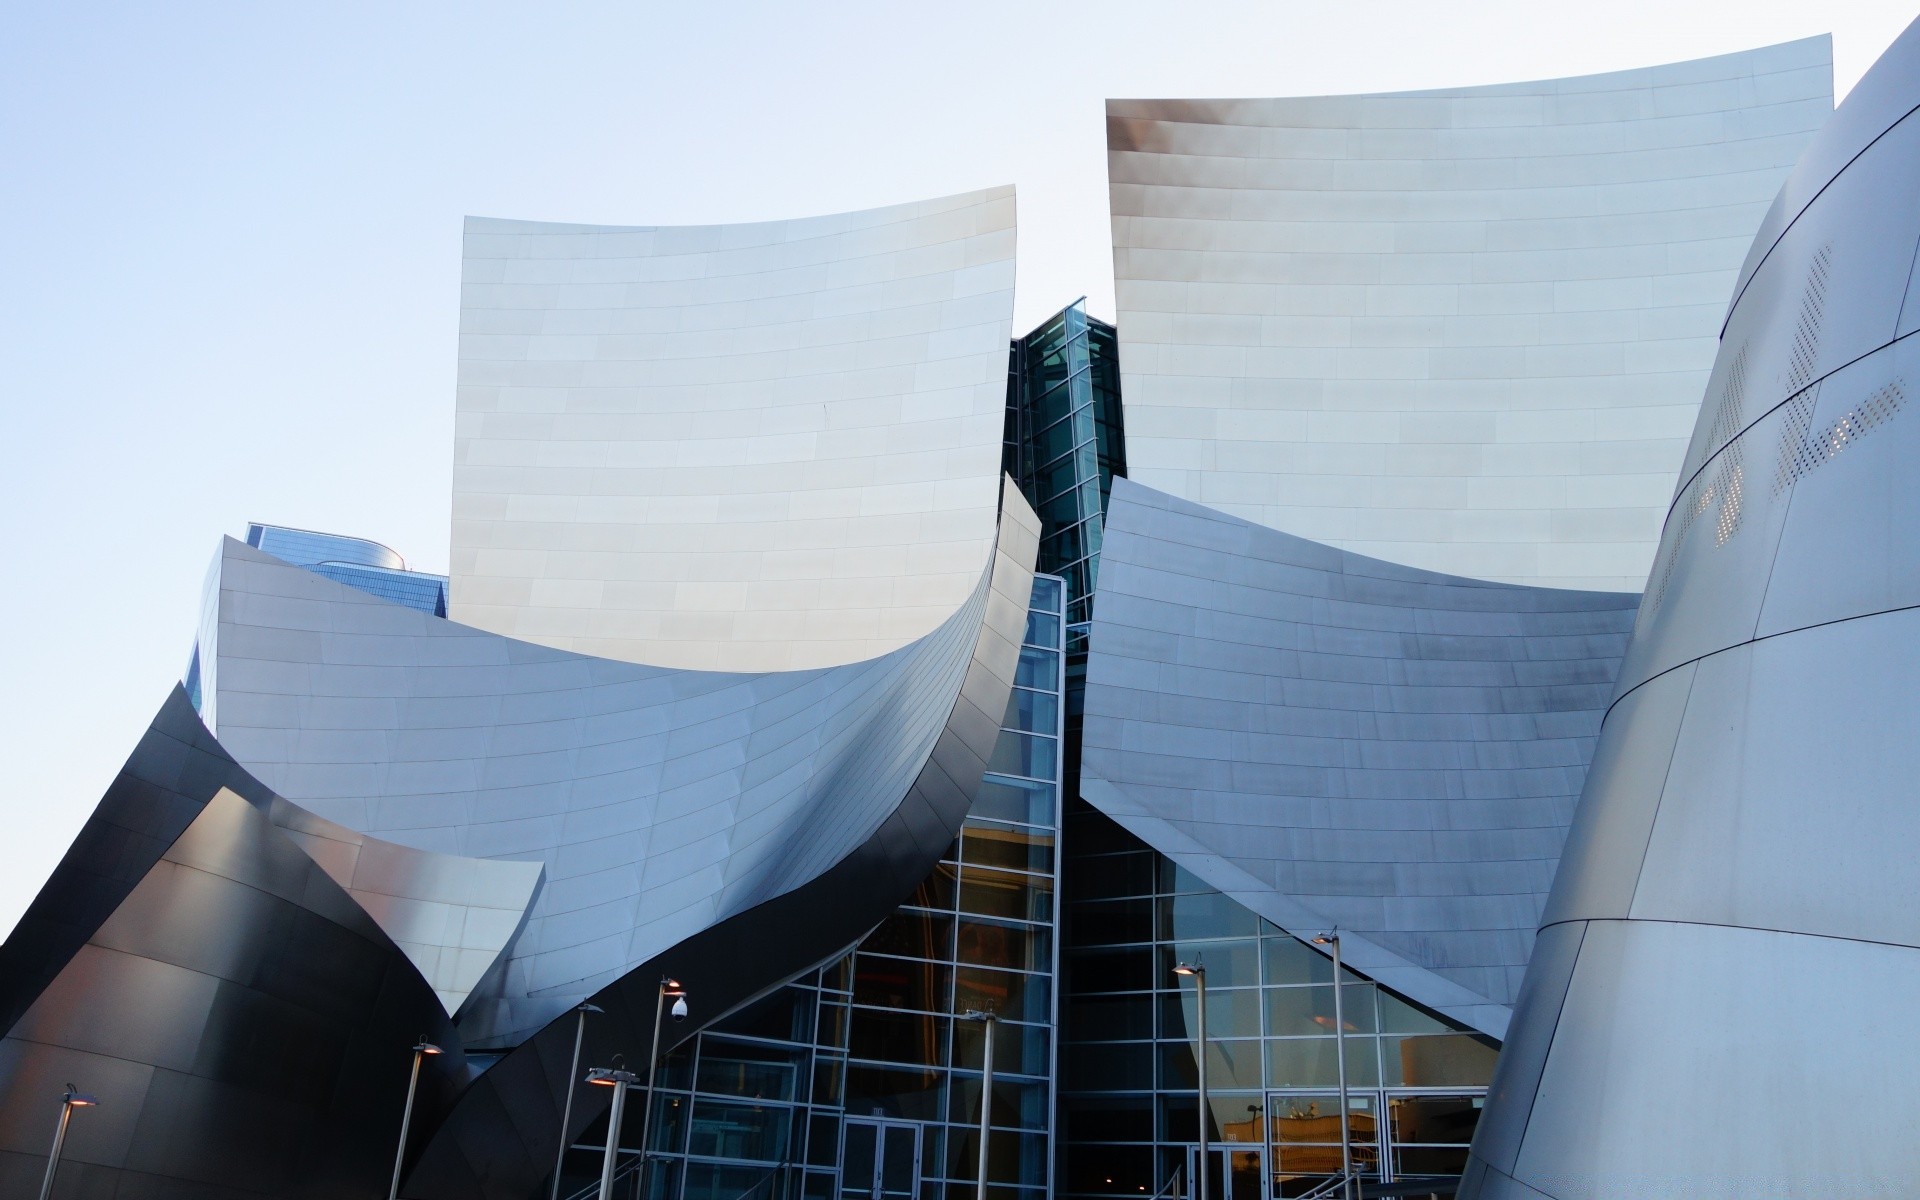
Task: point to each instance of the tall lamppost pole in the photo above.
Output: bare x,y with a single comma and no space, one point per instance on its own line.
668,987
566,1109
1331,939
619,1079
989,1018
68,1103
421,1049
1198,970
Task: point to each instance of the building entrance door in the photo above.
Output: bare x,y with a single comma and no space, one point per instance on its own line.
879,1160
1234,1172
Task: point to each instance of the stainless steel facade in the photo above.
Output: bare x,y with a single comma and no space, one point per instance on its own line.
731,447
1463,329
1731,941
242,1022
1336,741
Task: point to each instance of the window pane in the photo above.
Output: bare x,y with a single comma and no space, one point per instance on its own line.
1038,712
1438,1060
1006,846
1124,970
892,1092
1109,1018
1110,922
1435,1119
984,943
1025,800
1012,995
1006,894
1308,1011
1234,1064
1228,964
1038,669
1043,630
901,983
916,1038
1234,1013
748,1069
1023,754
1046,594
1312,1062
725,1129
915,934
1205,915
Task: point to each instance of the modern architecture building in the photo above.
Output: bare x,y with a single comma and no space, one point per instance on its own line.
1196,710
1736,877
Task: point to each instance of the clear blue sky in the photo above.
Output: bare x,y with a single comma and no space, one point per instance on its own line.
232,235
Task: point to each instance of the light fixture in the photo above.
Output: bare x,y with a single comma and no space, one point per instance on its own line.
989,1018
566,1109
618,1078
71,1100
1331,940
422,1049
1197,971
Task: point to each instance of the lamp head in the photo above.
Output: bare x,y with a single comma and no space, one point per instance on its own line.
1193,968
589,1008
1329,938
669,986
423,1046
77,1099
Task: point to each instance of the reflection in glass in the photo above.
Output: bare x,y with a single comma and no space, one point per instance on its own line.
1038,669
1023,754
1438,1060
1204,915
1021,948
995,893
730,1129
1005,846
1026,801
897,1037
749,1069
1307,1011
1018,997
902,983
912,934
1229,964
1230,1013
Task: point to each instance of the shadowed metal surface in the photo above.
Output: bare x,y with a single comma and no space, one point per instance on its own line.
454,917
1335,740
1463,329
1739,892
243,1023
660,801
744,447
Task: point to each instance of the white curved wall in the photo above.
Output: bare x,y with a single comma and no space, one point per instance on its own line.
731,447
1465,330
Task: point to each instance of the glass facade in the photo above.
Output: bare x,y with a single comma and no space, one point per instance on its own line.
1064,442
1416,1081
863,1078
356,562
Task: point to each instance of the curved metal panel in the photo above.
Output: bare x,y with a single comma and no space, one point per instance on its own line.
1465,329
661,802
244,1025
500,1141
453,917
1336,740
731,447
1762,826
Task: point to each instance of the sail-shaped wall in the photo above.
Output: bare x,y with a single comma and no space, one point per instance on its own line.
1732,940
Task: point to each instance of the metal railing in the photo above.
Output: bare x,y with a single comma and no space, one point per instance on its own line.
1336,1185
1171,1188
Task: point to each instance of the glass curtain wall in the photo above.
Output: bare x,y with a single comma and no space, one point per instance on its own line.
1416,1081
862,1079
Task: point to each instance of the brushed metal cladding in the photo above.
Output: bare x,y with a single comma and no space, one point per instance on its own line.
659,801
499,1143
1465,329
1741,862
732,447
454,917
1336,740
244,1024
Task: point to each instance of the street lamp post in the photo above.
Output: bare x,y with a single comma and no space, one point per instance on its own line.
566,1110
989,1018
619,1079
668,987
68,1103
1331,939
1198,970
421,1049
